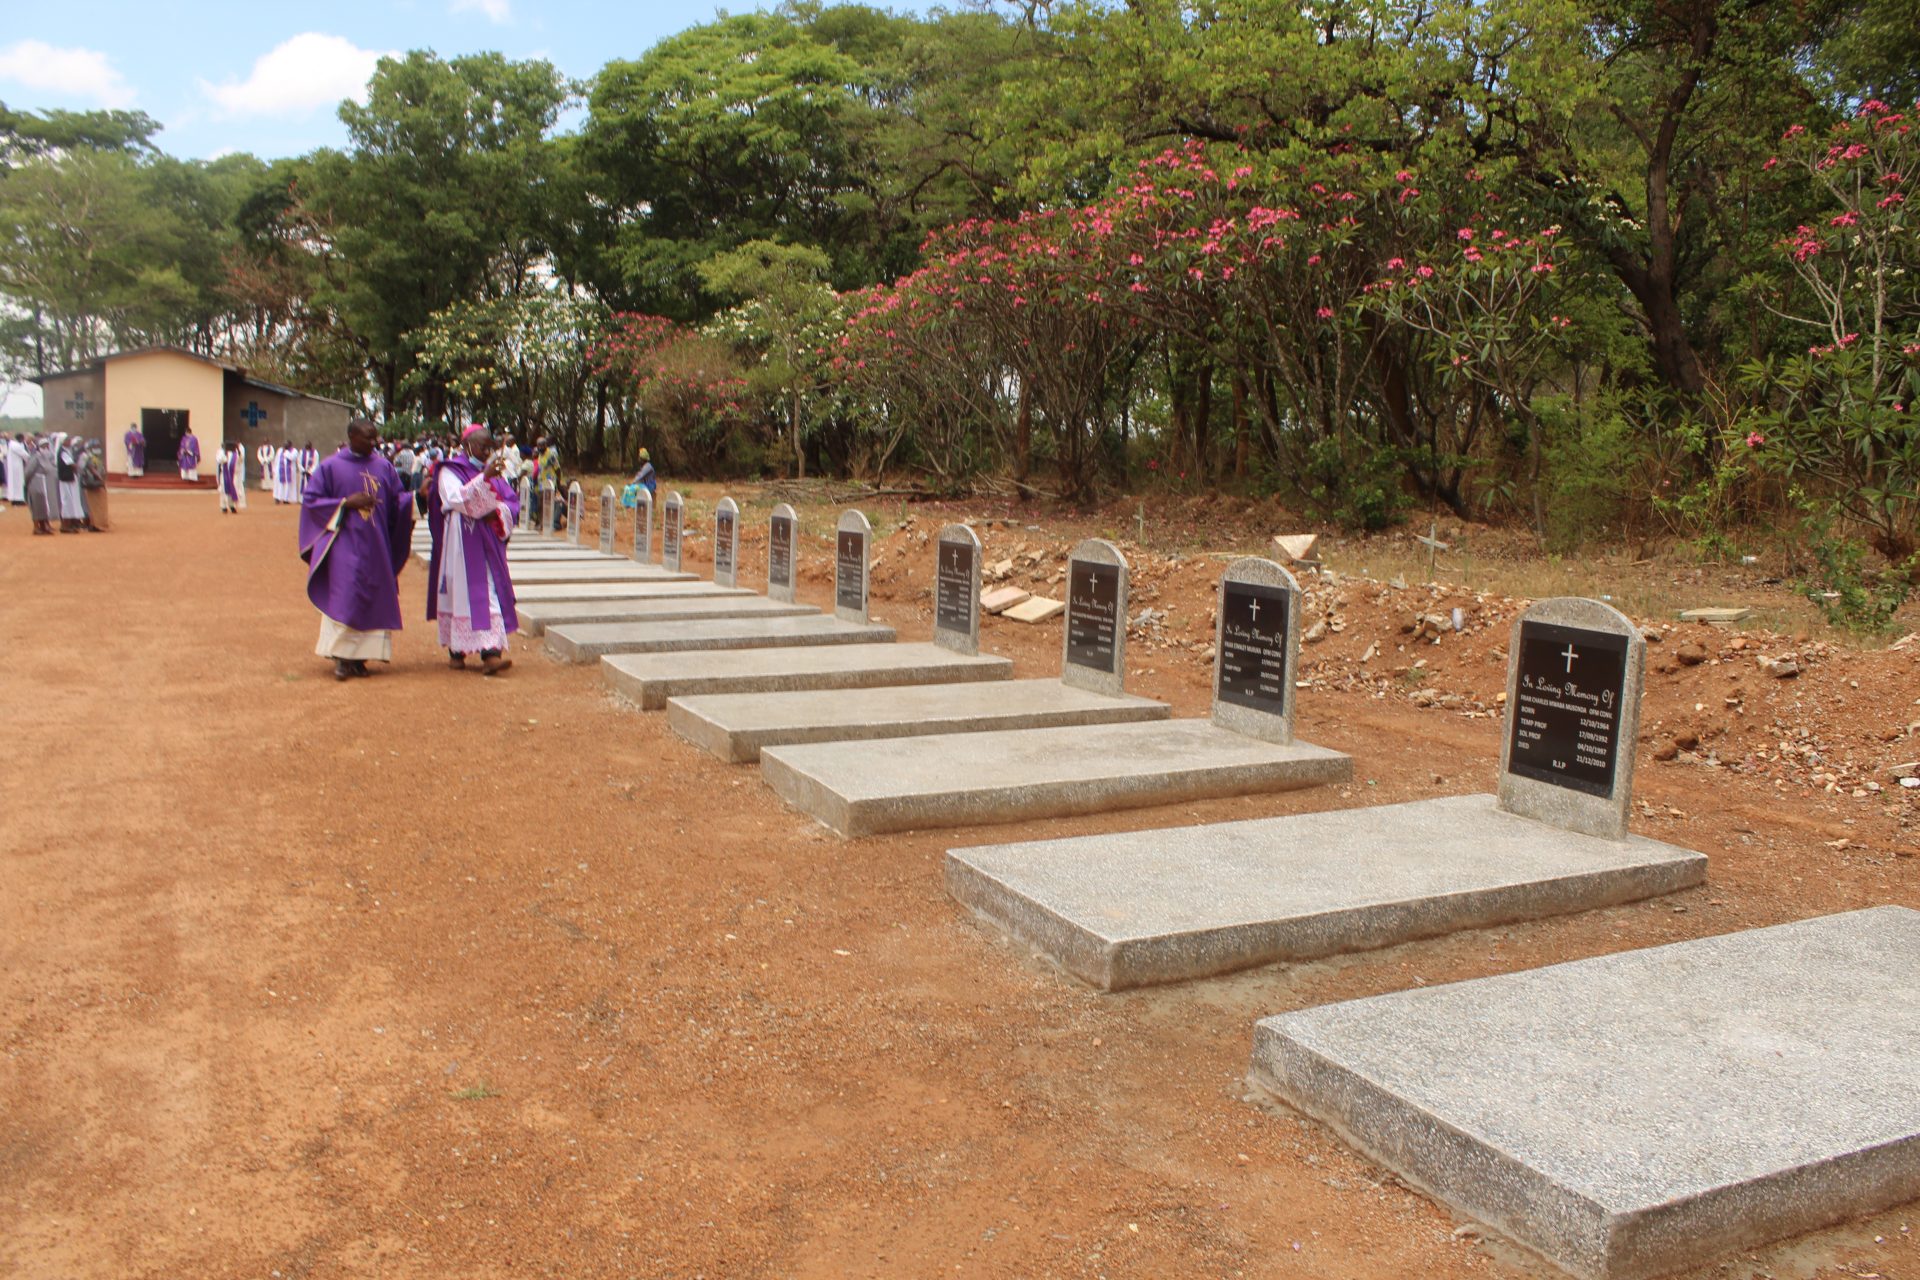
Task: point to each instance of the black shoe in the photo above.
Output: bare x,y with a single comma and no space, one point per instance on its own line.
342,669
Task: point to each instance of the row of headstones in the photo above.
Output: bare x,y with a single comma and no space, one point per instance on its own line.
1566,759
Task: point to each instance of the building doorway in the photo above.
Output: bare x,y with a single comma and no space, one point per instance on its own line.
163,429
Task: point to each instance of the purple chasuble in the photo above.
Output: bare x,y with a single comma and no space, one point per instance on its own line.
136,451
354,563
482,550
189,451
228,484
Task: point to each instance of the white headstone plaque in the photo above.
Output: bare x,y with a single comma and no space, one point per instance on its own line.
956,590
1256,641
853,537
1574,678
672,511
643,525
1094,644
782,542
726,543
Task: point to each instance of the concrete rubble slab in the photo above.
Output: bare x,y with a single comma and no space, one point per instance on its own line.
736,726
650,679
610,570
1141,907
957,779
536,617
1639,1113
588,641
1035,609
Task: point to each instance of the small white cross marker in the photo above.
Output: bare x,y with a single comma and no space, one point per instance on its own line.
1253,607
1569,655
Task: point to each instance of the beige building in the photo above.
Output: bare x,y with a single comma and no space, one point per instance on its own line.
168,391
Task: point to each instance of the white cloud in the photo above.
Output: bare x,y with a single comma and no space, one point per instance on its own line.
80,73
298,76
499,12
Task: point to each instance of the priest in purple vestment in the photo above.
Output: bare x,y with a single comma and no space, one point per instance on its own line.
189,458
136,450
356,531
471,511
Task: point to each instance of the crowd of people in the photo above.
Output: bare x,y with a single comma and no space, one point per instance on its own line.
60,479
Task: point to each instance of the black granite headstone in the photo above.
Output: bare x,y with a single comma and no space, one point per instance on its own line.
670,535
850,570
1093,621
953,587
780,552
1566,721
723,543
1253,646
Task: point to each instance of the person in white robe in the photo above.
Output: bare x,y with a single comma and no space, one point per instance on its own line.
16,451
264,456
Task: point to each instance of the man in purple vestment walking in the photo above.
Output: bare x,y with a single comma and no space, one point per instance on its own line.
471,512
356,531
136,450
189,458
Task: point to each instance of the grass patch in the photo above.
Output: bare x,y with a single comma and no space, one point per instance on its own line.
474,1092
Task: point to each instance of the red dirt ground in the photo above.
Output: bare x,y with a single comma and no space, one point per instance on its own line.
428,975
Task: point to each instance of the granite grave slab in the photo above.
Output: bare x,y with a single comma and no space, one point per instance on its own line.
587,641
1639,1113
537,616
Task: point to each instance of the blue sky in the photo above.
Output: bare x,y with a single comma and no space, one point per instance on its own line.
267,78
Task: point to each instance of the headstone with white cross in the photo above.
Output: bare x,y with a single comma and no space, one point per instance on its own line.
576,512
782,543
956,590
526,504
1574,676
549,502
609,518
642,525
1094,641
852,538
673,512
1256,650
726,543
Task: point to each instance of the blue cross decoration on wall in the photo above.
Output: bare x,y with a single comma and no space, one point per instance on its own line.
254,414
80,405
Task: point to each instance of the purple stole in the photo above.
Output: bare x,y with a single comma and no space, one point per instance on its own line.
482,551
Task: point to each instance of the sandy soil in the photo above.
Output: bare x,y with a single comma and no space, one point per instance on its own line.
428,975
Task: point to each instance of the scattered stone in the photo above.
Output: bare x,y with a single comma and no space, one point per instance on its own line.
1904,772
1690,654
1001,599
1302,547
1036,609
1785,667
1316,633
1667,750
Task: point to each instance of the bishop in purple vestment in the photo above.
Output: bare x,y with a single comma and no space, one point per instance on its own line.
189,458
136,450
471,511
356,531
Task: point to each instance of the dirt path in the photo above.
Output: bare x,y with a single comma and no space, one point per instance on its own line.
487,978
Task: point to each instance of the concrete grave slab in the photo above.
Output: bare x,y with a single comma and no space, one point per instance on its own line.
852,544
650,679
615,570
673,515
1640,1113
1142,907
684,587
536,617
954,779
726,543
737,726
587,641
1035,609
783,548
956,589
1717,617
